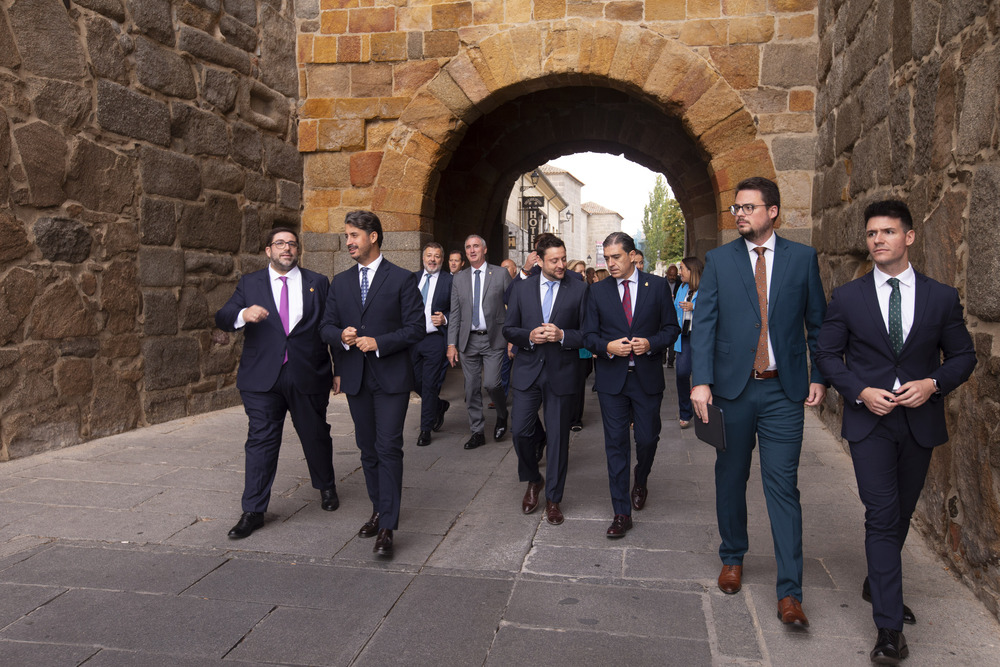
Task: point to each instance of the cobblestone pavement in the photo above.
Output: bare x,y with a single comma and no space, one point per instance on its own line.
115,552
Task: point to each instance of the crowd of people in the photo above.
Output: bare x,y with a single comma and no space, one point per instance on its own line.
747,330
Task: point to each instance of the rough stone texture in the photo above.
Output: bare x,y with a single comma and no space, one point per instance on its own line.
43,157
15,240
62,240
157,222
47,40
282,159
62,312
201,45
120,298
153,18
159,312
17,291
160,267
201,132
163,70
100,179
170,362
984,263
220,88
246,10
169,174
222,175
106,52
247,145
58,102
130,113
215,226
238,34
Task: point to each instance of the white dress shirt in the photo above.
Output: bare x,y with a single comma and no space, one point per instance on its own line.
428,312
769,262
482,293
907,299
633,290
294,283
372,267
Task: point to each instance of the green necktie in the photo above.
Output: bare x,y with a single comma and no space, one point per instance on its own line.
895,317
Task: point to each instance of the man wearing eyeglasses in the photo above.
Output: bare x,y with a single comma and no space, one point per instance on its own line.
285,368
759,303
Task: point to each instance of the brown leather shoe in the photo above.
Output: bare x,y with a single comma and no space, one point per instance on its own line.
370,526
639,494
383,543
731,579
622,524
553,514
790,612
530,502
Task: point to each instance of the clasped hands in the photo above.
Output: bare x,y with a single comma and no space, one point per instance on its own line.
913,394
350,337
547,333
624,346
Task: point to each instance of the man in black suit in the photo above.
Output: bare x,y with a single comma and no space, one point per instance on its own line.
881,346
544,321
630,321
673,284
285,367
429,361
374,315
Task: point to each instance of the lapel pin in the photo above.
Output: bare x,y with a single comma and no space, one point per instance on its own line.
645,284
312,289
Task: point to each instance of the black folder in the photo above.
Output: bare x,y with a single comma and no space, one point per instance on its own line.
714,432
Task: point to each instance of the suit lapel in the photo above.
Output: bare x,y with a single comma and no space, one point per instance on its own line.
870,298
778,270
920,299
376,283
641,294
616,299
741,261
355,286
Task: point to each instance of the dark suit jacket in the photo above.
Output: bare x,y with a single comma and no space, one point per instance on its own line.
495,280
727,320
393,315
854,353
441,301
560,360
264,343
654,319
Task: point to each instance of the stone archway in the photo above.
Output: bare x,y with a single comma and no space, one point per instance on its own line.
507,89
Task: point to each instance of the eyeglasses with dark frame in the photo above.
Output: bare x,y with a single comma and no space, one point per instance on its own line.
747,208
281,245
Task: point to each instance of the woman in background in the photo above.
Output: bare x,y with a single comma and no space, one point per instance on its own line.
687,294
601,275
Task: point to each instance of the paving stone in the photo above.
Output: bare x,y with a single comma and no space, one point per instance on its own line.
88,523
140,622
114,658
486,542
32,653
94,471
522,646
466,610
282,534
112,569
412,551
18,600
576,562
320,637
81,494
735,627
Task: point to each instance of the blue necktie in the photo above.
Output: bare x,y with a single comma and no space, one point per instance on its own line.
475,302
895,316
547,301
426,288
364,284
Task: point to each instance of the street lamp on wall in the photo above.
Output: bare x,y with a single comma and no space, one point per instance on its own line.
535,177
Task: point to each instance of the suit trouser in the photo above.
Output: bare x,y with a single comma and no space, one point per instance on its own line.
429,373
481,367
266,413
763,413
378,431
890,468
617,410
524,421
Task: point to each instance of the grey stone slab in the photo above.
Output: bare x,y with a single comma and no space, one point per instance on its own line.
300,636
445,498
80,494
117,658
13,549
85,523
214,479
13,512
576,562
134,621
812,649
671,565
763,569
112,569
166,456
279,535
298,585
97,471
523,646
611,609
17,600
412,551
32,653
480,541
465,610
210,504
644,535
735,629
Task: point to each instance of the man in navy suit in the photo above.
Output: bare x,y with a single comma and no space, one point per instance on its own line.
881,347
285,367
629,322
545,322
759,299
429,360
374,315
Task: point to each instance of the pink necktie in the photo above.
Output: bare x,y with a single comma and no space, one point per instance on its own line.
283,309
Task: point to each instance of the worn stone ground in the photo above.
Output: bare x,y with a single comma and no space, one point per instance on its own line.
115,553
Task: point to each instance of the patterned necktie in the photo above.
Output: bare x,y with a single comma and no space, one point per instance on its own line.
547,301
364,284
895,317
475,302
627,302
761,360
283,309
426,288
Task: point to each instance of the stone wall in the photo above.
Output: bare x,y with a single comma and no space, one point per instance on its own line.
907,107
145,147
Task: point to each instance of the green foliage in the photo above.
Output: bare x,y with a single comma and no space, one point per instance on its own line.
662,227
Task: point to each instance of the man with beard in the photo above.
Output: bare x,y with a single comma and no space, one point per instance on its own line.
429,361
374,315
760,297
284,368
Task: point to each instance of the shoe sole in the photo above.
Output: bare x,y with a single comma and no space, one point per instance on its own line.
734,592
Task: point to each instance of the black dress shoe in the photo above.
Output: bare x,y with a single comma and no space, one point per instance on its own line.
249,522
576,427
866,595
424,439
890,647
383,543
621,525
638,496
500,429
370,527
330,499
439,420
477,440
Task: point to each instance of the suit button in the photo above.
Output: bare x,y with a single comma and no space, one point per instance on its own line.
756,326
362,326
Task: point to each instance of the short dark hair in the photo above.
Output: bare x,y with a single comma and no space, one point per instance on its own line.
367,222
767,188
890,208
640,253
622,239
456,251
546,241
278,230
432,244
544,236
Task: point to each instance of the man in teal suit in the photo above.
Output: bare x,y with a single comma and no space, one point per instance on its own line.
759,302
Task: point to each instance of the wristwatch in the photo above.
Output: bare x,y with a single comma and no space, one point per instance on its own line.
937,389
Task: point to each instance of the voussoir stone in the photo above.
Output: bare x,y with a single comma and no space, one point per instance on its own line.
132,114
47,40
62,240
169,174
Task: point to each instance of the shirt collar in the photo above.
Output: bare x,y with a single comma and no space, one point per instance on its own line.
907,277
769,244
374,264
634,278
274,275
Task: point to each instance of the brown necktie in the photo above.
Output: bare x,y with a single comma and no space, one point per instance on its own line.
761,361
